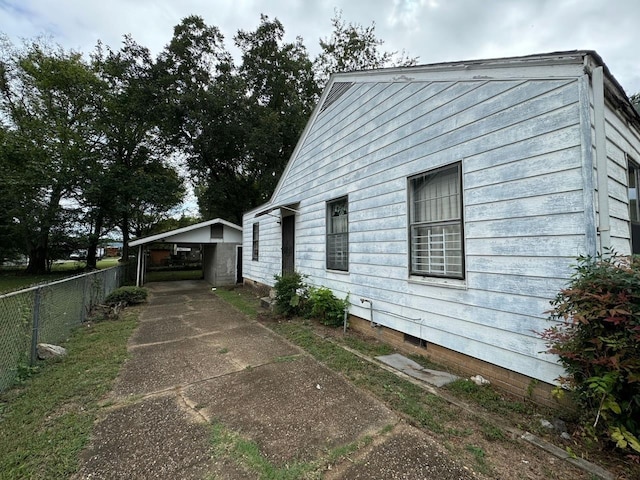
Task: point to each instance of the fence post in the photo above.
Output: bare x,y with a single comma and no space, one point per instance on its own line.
36,326
83,314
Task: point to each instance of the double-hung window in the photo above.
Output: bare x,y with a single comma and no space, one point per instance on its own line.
338,235
435,223
256,242
634,205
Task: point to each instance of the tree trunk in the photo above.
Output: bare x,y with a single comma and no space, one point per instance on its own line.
38,259
94,239
125,237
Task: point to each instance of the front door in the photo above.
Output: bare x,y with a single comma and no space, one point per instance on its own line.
288,243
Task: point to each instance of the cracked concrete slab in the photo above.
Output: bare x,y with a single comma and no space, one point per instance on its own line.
156,438
293,409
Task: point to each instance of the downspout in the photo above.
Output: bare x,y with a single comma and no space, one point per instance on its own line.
604,221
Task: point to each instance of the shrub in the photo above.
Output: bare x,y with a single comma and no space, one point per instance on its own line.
324,305
597,340
291,294
126,296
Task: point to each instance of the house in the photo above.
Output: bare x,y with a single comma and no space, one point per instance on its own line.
450,201
220,242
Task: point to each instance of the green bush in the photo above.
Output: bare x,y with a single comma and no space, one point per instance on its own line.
598,342
325,306
126,296
291,294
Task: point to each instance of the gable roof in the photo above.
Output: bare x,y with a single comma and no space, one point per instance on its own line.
564,64
166,236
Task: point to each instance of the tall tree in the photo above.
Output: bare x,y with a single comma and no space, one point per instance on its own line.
283,91
133,150
46,97
206,111
354,47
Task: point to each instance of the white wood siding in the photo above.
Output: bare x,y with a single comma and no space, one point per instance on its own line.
521,146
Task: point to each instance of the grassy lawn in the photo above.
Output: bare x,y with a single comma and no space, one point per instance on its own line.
14,278
172,275
47,420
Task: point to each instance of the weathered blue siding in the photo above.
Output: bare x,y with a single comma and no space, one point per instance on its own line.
521,143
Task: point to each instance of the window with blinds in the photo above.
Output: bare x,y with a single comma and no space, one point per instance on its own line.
435,212
338,235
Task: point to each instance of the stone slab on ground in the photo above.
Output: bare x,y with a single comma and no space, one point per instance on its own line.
293,409
155,438
415,370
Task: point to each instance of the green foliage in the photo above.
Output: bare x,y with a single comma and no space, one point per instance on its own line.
291,294
127,296
327,307
597,339
354,47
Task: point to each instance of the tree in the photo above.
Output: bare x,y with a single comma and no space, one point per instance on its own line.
354,47
137,177
283,92
47,100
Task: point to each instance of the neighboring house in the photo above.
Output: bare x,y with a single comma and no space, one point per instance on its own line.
220,242
453,199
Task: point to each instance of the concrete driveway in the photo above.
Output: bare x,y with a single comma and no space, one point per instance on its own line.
198,367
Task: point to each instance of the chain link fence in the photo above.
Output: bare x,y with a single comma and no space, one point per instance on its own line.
47,314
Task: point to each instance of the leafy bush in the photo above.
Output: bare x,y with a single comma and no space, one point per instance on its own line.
598,342
126,296
324,305
291,294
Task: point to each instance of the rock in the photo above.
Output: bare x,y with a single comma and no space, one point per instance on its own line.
479,380
565,436
547,424
559,425
46,350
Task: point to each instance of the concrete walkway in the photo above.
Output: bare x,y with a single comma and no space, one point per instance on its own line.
195,363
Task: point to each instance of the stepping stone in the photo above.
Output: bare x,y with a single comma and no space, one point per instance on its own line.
415,370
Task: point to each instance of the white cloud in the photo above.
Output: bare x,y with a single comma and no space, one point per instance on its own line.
434,30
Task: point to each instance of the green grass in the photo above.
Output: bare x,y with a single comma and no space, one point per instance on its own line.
172,275
489,398
240,299
226,444
46,421
15,278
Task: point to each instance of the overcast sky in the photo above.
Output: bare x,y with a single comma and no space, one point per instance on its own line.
433,30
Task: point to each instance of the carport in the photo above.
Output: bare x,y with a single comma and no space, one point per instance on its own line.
221,244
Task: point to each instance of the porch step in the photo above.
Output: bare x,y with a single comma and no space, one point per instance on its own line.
267,302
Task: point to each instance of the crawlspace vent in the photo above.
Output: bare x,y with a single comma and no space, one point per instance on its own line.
337,90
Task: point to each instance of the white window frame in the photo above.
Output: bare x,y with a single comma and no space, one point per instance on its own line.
255,242
439,250
337,242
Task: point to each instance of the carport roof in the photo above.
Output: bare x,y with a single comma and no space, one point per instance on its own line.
166,236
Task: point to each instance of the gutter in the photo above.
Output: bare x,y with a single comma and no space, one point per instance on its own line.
604,219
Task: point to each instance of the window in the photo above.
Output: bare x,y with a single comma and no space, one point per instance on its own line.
634,205
338,235
255,246
435,212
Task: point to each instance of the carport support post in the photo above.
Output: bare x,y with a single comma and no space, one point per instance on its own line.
139,268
